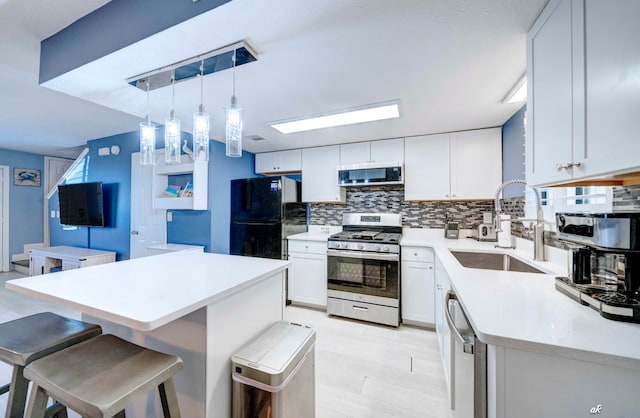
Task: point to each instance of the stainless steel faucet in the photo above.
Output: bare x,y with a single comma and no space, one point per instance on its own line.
538,228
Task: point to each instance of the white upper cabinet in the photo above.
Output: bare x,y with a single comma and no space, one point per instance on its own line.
279,162
320,175
426,167
387,150
550,101
457,166
582,67
476,163
612,80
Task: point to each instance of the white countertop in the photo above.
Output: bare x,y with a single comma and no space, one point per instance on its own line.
71,252
176,247
149,292
318,233
310,236
524,311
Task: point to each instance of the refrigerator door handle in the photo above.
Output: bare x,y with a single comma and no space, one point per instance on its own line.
258,223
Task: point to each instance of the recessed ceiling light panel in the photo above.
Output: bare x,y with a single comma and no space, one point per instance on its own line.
368,113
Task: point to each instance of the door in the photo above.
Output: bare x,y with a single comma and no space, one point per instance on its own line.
55,168
4,218
148,225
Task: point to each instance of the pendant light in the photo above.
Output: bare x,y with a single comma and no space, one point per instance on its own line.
201,125
234,121
147,138
172,129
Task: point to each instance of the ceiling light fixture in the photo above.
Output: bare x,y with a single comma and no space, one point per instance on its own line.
518,92
201,125
367,113
172,130
234,121
147,138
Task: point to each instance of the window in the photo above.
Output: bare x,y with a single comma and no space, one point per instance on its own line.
568,199
79,172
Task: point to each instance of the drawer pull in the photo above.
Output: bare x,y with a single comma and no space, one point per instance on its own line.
415,254
360,308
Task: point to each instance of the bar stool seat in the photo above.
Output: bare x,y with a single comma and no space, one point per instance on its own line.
27,339
100,377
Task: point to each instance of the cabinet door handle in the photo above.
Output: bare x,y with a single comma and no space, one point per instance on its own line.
575,164
134,232
560,167
415,254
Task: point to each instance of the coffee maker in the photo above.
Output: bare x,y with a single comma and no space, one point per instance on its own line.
604,262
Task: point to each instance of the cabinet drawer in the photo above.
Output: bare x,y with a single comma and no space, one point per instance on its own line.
421,254
312,247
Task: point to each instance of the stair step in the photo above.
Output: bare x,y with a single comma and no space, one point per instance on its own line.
23,263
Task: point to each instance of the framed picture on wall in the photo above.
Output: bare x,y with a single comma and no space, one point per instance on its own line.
26,177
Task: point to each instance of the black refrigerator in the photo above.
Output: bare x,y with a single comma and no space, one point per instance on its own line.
264,211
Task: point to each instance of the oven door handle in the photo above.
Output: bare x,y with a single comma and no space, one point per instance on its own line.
363,255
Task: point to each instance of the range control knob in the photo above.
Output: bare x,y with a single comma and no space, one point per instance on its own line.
377,248
385,248
361,246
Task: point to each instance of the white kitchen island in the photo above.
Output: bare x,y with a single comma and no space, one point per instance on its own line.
202,307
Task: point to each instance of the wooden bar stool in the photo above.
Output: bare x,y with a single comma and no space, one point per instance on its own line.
27,339
100,377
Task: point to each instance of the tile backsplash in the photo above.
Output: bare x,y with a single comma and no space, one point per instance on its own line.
431,214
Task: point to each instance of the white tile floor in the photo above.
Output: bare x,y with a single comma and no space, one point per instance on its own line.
362,370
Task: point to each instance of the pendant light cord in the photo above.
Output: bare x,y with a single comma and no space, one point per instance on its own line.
234,72
173,93
148,105
201,86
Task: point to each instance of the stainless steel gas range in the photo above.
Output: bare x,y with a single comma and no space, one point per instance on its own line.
363,268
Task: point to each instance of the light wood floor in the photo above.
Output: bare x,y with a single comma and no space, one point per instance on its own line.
362,370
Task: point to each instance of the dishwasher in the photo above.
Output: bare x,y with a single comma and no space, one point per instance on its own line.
468,364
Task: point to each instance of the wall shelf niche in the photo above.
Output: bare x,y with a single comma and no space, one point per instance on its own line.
199,171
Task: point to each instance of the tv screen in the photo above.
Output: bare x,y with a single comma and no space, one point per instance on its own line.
81,204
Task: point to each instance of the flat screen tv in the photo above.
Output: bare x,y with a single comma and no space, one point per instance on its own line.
81,204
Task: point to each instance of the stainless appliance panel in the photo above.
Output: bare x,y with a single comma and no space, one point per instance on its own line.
370,174
605,230
359,297
468,364
368,276
363,311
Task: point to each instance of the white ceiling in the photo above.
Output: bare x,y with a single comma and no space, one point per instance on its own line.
449,62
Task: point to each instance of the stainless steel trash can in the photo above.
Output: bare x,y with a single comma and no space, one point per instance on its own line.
274,376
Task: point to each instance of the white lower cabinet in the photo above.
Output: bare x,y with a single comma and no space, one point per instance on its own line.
442,286
417,286
518,385
307,277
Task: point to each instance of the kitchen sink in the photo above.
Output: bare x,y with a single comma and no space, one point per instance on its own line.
493,261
